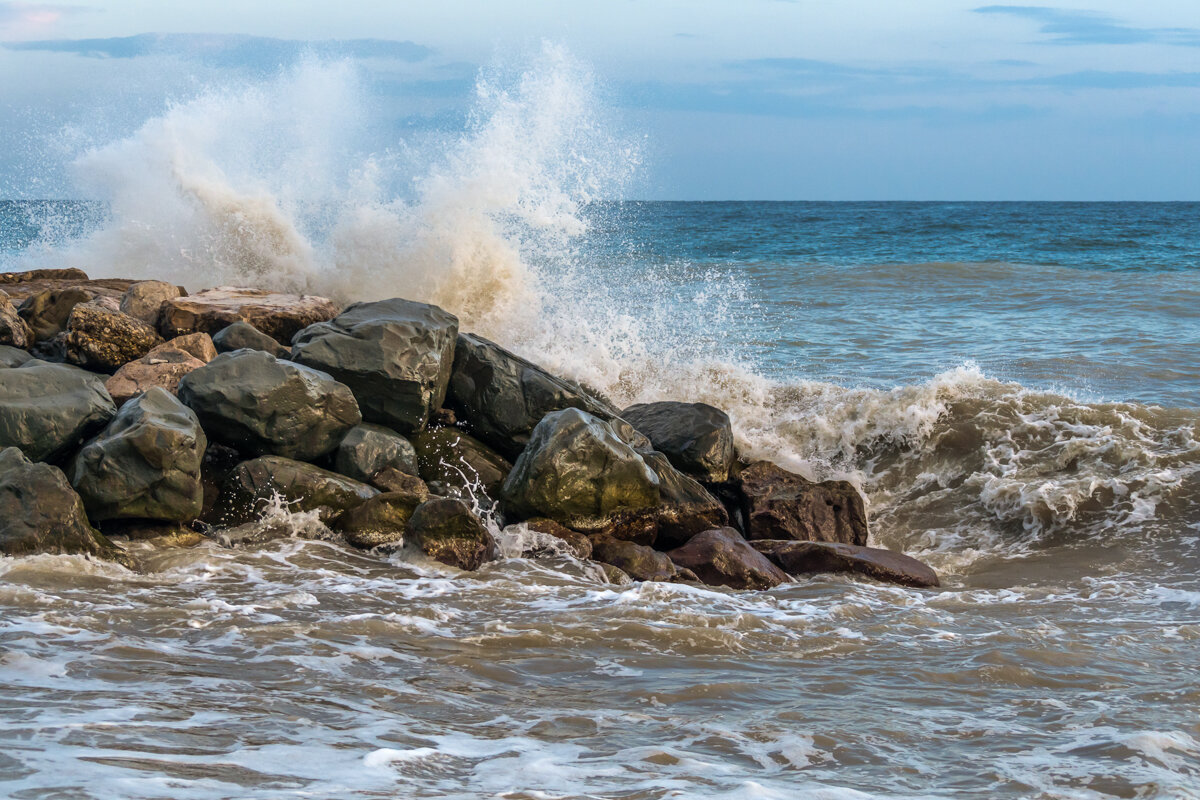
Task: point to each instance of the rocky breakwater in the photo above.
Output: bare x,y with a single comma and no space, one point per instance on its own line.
390,428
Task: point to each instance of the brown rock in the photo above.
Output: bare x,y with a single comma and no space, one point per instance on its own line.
638,561
721,557
143,300
800,558
390,479
46,313
163,370
577,543
777,504
383,519
13,330
197,345
447,531
103,340
279,316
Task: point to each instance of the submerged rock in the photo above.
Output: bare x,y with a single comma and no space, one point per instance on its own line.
144,299
103,340
250,400
368,449
41,513
145,464
47,410
253,486
13,330
446,530
243,335
460,463
721,557
279,316
697,438
383,519
801,558
395,355
504,397
637,561
777,504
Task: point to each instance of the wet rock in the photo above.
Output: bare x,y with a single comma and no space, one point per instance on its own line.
46,313
637,561
144,299
254,486
367,449
777,504
614,575
41,513
578,472
103,340
250,400
395,355
279,316
145,464
162,367
579,545
383,519
451,458
721,557
447,531
697,438
390,479
13,357
13,330
504,397
685,507
802,558
243,335
47,410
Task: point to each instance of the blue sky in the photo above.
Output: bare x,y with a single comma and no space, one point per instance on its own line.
740,99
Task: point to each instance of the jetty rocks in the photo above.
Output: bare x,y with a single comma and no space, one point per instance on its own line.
132,406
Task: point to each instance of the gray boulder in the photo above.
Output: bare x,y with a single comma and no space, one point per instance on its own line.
250,400
145,464
144,299
13,357
685,507
446,530
721,557
803,558
243,335
697,438
254,485
41,513
777,504
455,462
47,410
395,355
367,449
504,397
577,471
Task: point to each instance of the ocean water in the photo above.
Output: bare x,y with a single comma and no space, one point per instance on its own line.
1014,387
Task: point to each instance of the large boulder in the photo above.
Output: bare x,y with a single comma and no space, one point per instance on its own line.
163,367
102,340
382,520
250,400
367,449
721,557
145,464
279,316
47,410
504,397
41,513
254,486
773,503
448,531
697,438
452,461
577,471
685,507
13,330
394,354
46,313
637,561
144,299
243,335
803,558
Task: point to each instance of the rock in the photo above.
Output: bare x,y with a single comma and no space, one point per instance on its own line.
614,575
578,472
41,513
579,545
777,504
13,357
447,531
383,519
279,316
390,479
638,561
28,276
395,355
697,438
46,313
145,464
250,400
367,449
47,410
254,485
243,335
685,507
721,557
13,330
20,286
197,345
102,340
451,458
504,396
163,371
800,558
144,299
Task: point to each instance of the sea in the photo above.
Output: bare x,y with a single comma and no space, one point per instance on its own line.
1014,387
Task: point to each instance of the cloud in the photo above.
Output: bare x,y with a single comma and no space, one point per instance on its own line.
221,50
1086,27
27,17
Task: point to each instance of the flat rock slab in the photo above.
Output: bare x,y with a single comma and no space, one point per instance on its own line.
801,558
21,285
279,316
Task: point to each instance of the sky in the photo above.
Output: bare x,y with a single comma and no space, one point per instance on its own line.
730,99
